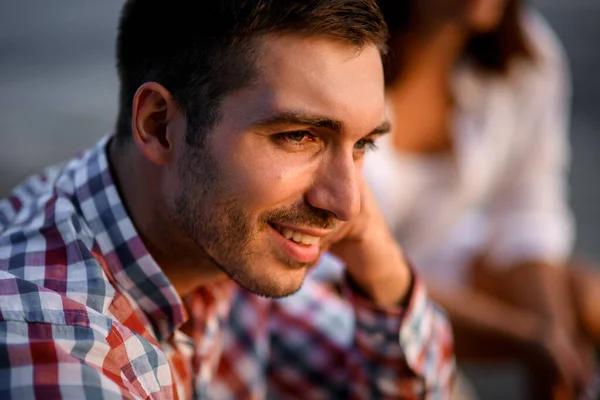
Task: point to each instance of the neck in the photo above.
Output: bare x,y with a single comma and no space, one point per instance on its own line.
431,58
138,181
422,97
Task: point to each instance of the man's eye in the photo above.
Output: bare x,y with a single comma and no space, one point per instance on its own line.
365,144
297,136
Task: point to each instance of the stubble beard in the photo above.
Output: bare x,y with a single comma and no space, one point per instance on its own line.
218,223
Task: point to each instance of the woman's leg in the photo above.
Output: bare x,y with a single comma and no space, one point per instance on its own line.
585,290
482,347
542,289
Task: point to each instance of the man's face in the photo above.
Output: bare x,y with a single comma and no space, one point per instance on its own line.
281,170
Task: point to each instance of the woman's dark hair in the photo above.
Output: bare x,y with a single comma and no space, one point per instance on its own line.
492,52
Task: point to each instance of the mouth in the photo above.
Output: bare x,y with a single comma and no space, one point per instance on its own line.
296,236
300,244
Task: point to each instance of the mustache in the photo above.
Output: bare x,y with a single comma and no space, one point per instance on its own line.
302,213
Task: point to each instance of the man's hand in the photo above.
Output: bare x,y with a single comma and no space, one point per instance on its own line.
372,257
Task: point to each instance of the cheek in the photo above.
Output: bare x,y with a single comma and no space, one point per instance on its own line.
171,185
265,177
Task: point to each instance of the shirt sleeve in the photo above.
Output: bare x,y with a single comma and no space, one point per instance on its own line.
330,346
38,361
530,215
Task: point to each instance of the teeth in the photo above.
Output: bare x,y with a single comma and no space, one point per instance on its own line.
299,237
306,239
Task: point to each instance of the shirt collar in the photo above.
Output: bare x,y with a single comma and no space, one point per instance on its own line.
126,257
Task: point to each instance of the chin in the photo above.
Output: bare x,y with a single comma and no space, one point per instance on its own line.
485,23
271,281
484,26
486,16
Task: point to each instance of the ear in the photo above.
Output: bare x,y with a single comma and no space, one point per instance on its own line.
155,116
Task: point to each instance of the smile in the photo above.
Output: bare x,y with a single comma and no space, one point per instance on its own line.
300,244
298,237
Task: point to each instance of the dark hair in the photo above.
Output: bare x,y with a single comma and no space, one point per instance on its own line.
491,52
203,50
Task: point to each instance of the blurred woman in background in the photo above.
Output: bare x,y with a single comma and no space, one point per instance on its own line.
473,181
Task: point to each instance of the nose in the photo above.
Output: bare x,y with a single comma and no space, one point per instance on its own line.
336,187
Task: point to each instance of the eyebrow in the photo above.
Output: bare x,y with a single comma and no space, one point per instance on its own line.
311,120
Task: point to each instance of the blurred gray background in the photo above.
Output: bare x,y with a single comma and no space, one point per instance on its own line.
58,94
58,89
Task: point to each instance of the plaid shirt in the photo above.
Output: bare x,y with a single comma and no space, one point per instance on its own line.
86,313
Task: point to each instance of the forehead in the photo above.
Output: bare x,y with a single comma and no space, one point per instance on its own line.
315,75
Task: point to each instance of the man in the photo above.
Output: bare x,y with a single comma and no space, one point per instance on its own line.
148,267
